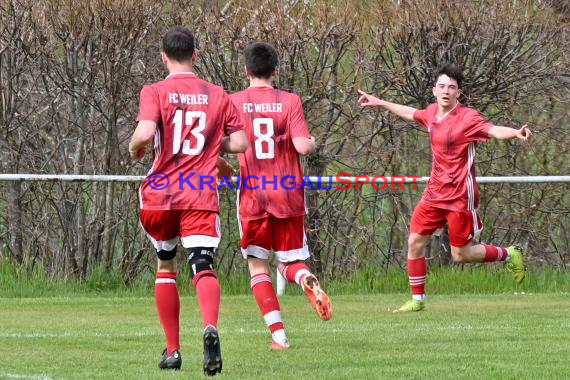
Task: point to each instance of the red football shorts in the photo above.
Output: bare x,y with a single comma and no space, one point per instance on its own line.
194,228
464,226
285,236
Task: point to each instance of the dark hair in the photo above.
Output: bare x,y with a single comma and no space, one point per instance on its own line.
261,59
178,44
452,72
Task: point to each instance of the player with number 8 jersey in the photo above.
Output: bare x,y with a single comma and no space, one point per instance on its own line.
273,118
271,199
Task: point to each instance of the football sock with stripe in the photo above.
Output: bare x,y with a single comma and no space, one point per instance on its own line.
208,293
168,306
493,253
295,272
417,273
267,301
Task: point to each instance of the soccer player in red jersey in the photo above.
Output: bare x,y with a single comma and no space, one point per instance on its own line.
189,120
451,195
271,199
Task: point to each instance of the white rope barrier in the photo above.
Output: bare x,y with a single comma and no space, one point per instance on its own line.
281,282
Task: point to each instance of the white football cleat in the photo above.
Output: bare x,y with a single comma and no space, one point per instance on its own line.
279,340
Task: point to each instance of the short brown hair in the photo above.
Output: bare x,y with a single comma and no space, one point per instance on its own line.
451,71
178,44
261,59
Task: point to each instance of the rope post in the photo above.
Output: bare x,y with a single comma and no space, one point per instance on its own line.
281,283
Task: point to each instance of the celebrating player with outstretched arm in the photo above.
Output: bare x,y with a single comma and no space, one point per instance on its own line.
271,217
189,120
451,195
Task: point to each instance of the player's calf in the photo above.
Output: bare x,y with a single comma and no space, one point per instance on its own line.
201,262
208,292
268,304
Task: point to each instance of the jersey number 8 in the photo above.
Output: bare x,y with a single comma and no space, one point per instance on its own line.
266,137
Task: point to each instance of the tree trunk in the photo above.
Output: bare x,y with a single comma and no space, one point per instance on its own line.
107,227
314,220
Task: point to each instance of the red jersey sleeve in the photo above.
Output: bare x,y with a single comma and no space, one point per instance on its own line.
422,117
478,127
149,106
297,122
232,122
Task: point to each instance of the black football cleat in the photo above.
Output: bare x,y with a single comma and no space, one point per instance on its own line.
172,361
212,352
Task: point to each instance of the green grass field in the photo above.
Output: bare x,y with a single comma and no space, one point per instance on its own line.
503,336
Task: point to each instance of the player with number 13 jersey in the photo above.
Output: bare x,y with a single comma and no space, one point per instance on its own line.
189,121
192,116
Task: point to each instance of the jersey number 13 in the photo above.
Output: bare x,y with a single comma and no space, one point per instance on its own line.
189,118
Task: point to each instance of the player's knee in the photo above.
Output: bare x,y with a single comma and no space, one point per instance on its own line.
201,262
458,259
166,255
281,266
458,256
415,242
257,266
412,241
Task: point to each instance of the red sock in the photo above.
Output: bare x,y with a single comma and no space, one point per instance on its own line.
209,294
493,253
417,273
267,301
295,272
168,306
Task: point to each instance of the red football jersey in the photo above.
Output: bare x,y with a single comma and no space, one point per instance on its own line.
272,119
452,184
192,117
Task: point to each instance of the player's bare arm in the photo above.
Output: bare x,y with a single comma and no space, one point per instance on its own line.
304,146
235,142
506,133
144,135
405,112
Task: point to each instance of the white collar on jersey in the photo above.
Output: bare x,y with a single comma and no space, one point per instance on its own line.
438,119
181,73
261,85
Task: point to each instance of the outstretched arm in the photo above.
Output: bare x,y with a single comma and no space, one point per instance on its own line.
506,133
405,112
